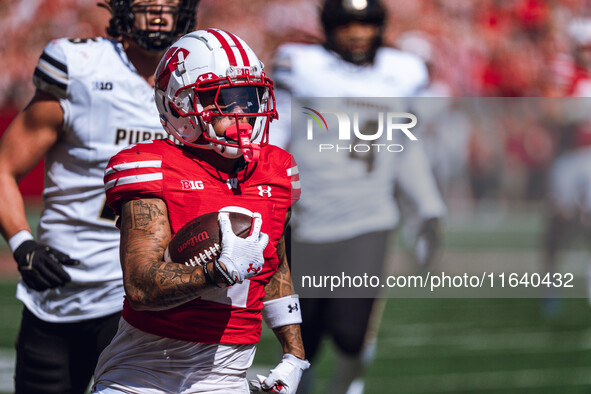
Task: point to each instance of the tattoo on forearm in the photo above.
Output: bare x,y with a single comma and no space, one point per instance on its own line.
281,251
172,279
150,280
169,284
290,338
280,284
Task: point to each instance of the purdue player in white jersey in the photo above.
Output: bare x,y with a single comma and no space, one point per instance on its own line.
347,208
93,97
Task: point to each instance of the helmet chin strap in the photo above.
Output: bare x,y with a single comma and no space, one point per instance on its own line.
242,133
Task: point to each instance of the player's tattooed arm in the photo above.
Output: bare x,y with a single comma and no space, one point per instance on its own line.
279,286
150,283
290,338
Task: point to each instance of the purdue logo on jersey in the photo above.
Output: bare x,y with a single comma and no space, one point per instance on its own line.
129,137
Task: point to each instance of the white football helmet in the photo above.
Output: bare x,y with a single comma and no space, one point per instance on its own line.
210,75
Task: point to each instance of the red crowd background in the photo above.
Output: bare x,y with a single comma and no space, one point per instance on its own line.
492,48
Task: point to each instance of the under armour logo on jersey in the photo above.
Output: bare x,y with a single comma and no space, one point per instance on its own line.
293,308
192,185
251,268
265,191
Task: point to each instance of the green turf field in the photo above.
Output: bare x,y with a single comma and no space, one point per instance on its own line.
481,345
485,345
477,345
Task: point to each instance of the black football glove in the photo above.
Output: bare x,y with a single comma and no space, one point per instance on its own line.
41,266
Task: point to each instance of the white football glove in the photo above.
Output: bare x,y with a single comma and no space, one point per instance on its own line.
285,377
243,257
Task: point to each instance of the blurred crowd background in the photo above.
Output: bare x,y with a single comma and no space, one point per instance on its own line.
484,48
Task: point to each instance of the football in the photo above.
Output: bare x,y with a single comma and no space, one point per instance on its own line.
199,241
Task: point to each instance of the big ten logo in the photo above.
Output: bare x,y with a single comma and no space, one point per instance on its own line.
102,85
192,185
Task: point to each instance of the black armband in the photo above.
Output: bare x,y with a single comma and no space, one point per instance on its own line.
208,278
225,274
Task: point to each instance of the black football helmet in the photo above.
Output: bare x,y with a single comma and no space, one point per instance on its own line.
337,13
123,17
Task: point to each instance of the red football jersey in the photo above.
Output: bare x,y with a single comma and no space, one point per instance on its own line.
191,187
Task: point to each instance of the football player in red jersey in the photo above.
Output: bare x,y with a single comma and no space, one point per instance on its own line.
192,329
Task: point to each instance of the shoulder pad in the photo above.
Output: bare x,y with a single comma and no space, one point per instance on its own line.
51,73
133,173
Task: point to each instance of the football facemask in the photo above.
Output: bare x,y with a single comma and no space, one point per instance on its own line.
162,24
234,113
156,34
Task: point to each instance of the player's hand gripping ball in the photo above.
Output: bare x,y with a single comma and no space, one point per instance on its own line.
199,241
243,258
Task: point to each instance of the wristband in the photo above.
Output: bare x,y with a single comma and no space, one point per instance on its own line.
282,311
208,277
17,239
225,274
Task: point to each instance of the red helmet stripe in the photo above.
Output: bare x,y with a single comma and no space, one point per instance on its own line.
168,66
225,46
240,49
